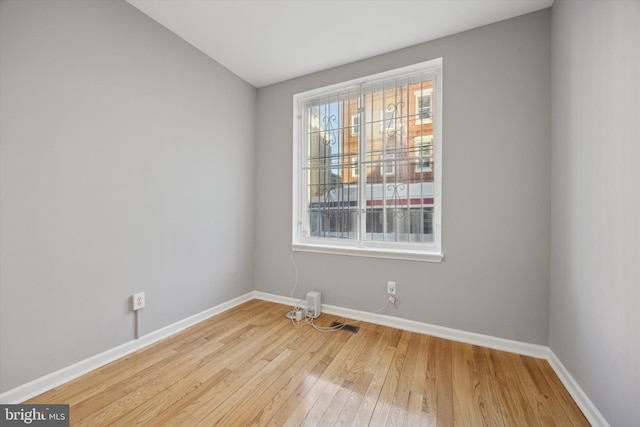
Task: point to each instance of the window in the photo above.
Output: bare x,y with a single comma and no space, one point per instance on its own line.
388,164
355,124
362,191
424,153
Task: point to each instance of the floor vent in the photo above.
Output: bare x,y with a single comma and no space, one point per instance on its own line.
349,328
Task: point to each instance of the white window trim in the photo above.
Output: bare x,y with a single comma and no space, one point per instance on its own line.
421,252
406,254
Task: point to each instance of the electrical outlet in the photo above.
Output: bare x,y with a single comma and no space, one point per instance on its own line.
391,288
137,301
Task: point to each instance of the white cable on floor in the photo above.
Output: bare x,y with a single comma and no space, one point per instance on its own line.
309,321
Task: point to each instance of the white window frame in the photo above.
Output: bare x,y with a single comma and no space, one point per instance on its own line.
301,240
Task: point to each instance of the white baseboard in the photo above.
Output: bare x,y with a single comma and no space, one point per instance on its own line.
279,299
61,376
582,400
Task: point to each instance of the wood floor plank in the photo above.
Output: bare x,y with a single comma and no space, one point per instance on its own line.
400,402
444,383
386,398
489,402
251,366
513,393
377,372
416,415
466,390
357,392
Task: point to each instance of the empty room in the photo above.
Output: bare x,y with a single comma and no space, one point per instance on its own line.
320,212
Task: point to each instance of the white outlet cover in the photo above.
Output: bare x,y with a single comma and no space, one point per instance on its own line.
137,301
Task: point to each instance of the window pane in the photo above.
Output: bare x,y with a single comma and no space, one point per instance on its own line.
399,181
332,202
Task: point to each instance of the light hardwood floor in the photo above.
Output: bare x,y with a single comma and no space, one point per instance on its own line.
251,366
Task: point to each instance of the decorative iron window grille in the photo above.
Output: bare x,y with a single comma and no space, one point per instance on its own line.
367,163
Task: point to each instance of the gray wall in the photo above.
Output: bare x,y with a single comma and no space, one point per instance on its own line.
126,166
496,203
595,252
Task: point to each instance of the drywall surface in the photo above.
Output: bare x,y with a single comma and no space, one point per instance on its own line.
126,166
496,197
595,252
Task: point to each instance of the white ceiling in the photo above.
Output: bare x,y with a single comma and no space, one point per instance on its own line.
268,41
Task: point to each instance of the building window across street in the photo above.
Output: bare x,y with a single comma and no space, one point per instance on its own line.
424,153
424,106
355,124
368,166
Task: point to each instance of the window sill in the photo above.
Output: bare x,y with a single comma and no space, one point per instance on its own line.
402,254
